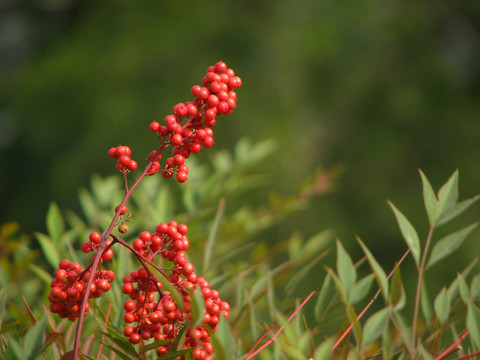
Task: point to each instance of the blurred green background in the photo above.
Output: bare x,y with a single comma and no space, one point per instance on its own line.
377,88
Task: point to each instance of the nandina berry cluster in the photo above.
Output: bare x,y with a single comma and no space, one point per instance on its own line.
125,162
68,288
153,310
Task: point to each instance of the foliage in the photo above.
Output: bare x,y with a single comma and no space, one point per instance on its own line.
358,311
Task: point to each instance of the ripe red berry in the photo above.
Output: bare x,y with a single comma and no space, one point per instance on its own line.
95,237
176,139
154,126
123,211
220,67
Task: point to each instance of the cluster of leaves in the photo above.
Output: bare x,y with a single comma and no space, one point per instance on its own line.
358,310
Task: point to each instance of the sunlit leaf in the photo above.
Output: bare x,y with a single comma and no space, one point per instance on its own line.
409,233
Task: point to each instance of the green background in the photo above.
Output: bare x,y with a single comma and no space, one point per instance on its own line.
376,88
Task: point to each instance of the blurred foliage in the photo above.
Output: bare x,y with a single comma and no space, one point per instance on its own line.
381,87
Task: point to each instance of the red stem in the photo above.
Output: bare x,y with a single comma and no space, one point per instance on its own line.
101,247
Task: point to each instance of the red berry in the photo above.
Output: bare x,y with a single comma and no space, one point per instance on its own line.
220,67
111,152
123,211
176,139
95,237
154,126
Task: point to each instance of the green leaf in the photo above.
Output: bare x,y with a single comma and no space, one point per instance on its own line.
397,291
324,297
475,287
426,304
345,269
50,251
409,233
448,194
55,223
449,243
3,300
121,354
300,274
453,288
429,199
198,307
120,340
377,269
473,323
41,273
33,340
374,326
456,210
361,288
426,355
441,306
213,235
462,287
14,351
322,352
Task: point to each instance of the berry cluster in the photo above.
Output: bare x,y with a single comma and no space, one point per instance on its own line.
188,129
93,242
68,288
122,153
154,311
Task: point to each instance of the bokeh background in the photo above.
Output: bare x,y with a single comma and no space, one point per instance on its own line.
375,89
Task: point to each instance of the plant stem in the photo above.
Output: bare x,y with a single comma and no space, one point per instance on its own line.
421,270
96,260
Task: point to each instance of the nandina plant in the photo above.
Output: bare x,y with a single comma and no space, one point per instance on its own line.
163,294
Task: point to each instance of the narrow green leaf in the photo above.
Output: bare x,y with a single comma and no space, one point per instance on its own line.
198,308
33,340
50,251
397,291
322,352
360,289
456,210
441,306
41,273
324,297
213,235
121,354
3,300
55,223
426,304
453,288
270,294
345,268
300,274
374,326
377,269
409,233
448,194
462,287
14,351
425,353
475,287
449,243
429,199
223,341
120,340
473,323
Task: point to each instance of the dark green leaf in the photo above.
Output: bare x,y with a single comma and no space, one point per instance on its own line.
448,244
198,307
300,274
453,288
154,345
425,353
462,287
409,233
397,291
475,287
426,304
120,352
174,354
